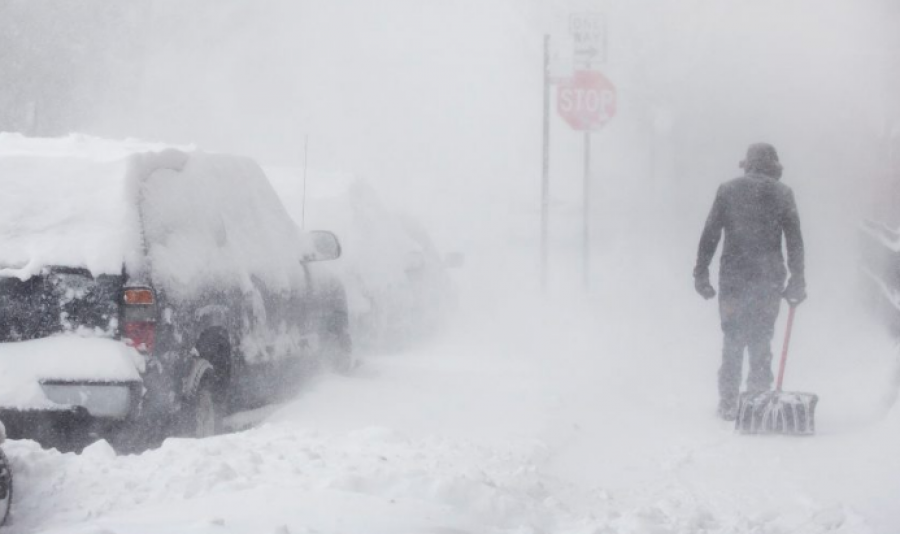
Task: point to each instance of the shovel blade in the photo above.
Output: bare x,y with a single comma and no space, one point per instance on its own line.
777,412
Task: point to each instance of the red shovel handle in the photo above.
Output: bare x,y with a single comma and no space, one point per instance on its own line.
784,350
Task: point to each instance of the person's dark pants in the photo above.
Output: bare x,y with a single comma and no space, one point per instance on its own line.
748,321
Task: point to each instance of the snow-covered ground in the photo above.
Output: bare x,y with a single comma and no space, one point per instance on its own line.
582,415
526,416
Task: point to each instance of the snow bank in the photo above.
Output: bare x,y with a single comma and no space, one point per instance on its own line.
370,480
64,357
298,478
552,423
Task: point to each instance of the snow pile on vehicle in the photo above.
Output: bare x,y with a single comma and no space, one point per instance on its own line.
215,222
63,357
69,201
85,202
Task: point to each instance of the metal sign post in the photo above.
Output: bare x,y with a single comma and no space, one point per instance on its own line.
596,105
545,175
586,249
586,101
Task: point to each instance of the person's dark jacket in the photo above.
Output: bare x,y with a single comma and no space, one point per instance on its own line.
753,211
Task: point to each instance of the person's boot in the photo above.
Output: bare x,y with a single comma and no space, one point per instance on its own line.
727,411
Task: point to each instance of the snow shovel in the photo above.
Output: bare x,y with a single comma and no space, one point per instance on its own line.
778,412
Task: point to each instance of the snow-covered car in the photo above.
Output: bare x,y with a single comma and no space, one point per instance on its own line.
399,288
151,287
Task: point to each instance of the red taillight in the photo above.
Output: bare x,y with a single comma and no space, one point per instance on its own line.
140,335
138,296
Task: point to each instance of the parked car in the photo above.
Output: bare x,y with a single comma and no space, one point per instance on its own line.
399,287
152,289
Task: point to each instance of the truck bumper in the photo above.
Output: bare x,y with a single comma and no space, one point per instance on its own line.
79,408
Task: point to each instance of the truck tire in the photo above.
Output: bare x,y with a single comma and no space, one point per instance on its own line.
337,346
201,414
6,487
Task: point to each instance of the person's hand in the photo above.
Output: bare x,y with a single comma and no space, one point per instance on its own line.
704,288
795,292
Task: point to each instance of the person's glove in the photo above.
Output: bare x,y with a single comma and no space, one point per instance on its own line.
795,292
703,287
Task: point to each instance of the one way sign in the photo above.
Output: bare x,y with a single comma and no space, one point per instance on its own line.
588,31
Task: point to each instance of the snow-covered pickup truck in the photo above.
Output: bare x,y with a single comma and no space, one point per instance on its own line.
146,288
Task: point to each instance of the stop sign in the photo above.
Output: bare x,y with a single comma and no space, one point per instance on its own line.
587,100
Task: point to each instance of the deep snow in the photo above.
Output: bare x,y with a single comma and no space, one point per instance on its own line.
566,419
567,415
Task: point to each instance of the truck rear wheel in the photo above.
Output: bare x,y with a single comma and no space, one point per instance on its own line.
338,346
6,487
201,414
205,413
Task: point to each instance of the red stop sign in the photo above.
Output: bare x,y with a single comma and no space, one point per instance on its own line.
587,100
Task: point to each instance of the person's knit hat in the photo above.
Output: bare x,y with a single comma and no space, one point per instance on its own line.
762,158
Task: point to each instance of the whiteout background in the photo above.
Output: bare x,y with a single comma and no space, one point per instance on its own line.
574,413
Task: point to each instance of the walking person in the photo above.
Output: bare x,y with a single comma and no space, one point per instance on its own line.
753,212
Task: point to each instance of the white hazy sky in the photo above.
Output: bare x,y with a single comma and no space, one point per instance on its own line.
438,104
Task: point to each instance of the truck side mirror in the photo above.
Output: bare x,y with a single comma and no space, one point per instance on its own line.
326,245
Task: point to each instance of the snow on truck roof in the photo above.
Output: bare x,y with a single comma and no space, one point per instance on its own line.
80,147
71,201
196,217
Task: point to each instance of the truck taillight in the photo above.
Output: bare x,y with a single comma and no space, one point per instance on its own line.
140,335
139,318
138,296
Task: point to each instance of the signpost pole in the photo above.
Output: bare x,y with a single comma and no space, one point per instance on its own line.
587,211
545,176
305,164
587,101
